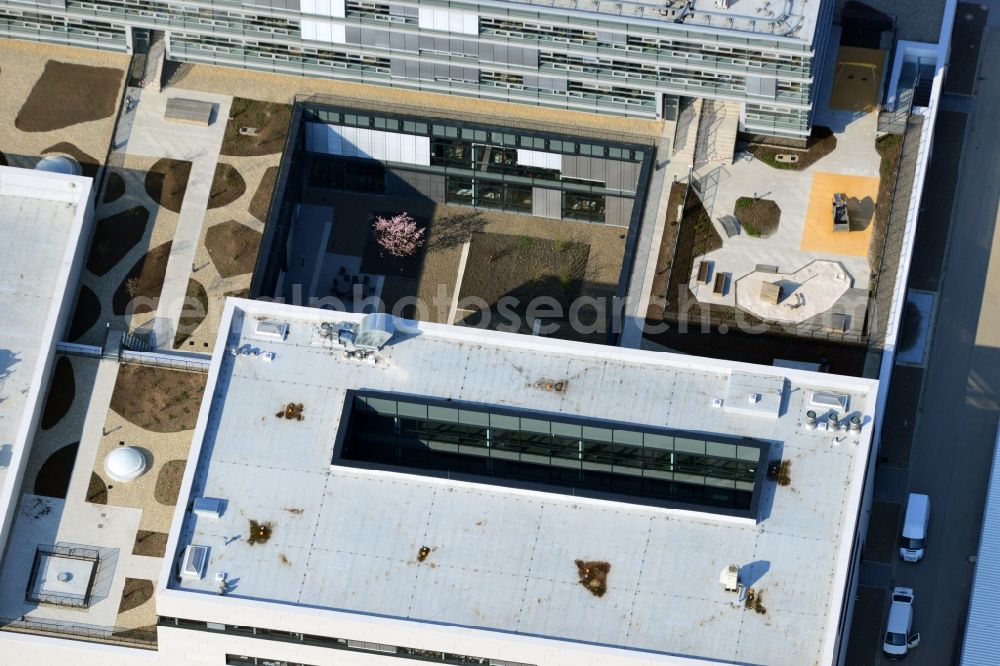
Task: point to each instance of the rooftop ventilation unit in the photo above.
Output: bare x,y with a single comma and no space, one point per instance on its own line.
754,395
374,331
730,578
555,385
368,335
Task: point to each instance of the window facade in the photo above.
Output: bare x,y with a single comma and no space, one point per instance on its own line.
548,58
577,456
391,652
245,660
485,167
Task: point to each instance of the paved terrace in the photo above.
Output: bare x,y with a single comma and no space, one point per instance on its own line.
502,559
805,198
153,136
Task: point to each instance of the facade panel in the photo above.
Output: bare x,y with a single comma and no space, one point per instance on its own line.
494,50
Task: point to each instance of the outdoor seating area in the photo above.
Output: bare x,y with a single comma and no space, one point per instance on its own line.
189,111
347,285
795,229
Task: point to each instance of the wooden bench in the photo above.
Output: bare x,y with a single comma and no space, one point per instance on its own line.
720,284
190,111
703,270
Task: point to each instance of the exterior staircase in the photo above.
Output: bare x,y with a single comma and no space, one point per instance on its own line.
686,134
925,81
894,121
717,129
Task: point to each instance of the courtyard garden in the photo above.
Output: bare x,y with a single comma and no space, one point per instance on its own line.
821,143
757,217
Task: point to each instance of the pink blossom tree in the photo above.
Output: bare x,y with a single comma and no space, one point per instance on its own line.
398,235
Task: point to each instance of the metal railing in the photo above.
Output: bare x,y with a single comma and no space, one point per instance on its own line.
884,283
77,349
35,592
173,361
138,638
893,121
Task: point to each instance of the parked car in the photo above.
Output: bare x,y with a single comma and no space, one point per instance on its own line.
898,639
914,535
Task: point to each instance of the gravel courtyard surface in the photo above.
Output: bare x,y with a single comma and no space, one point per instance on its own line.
284,88
64,125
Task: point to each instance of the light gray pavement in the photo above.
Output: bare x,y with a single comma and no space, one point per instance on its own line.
855,155
678,139
123,128
93,427
140,566
45,520
957,420
725,182
152,136
647,248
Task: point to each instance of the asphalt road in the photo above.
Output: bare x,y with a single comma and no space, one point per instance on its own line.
955,422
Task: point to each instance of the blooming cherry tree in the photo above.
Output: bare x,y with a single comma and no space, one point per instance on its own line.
398,235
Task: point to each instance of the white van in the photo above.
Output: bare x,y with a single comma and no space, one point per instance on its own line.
898,639
918,515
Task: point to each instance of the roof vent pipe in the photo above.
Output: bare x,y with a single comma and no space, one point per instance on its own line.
811,419
834,421
855,423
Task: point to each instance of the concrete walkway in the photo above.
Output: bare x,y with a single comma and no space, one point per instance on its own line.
647,249
152,136
93,427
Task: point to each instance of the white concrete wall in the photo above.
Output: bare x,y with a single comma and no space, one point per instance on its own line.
187,646
28,650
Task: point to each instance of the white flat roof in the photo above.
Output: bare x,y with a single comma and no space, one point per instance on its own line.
41,217
503,559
